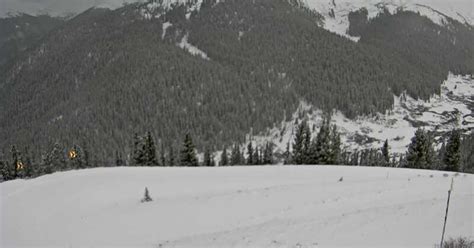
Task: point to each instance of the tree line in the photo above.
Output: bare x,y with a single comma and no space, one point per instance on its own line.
324,148
144,153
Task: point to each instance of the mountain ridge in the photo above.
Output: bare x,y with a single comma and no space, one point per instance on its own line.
110,73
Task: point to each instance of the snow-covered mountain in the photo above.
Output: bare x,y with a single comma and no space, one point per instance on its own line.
336,12
454,108
273,206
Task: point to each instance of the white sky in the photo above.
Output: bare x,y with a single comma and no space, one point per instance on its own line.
58,7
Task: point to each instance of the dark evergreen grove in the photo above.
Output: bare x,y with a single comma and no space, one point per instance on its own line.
325,148
103,75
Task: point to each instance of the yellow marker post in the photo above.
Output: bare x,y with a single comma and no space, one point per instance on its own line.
72,154
19,166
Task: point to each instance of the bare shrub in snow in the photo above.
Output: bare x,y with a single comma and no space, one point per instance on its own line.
460,242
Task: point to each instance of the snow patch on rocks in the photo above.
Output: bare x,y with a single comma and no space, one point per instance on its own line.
454,107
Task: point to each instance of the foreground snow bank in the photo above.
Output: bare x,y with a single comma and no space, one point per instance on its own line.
278,206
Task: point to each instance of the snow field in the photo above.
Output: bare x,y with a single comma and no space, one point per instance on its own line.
273,206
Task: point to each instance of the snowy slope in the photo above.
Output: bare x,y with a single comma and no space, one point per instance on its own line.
235,207
463,11
453,108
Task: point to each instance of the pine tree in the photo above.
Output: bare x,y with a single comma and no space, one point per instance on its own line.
355,158
322,146
118,159
171,158
287,155
213,161
386,152
421,153
432,157
150,158
207,158
188,153
250,154
162,155
299,149
235,158
307,145
54,160
268,154
16,163
28,170
146,197
4,171
224,157
87,163
442,154
138,156
256,157
335,150
452,158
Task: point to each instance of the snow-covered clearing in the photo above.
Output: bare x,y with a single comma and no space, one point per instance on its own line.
193,50
275,206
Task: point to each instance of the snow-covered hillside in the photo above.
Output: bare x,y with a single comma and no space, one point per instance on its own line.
275,206
435,10
453,108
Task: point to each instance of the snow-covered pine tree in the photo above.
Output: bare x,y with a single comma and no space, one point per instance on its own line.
452,158
224,157
188,153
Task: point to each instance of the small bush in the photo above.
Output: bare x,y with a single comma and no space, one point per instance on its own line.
458,243
147,197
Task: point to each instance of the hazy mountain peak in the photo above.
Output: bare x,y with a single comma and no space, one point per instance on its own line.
336,11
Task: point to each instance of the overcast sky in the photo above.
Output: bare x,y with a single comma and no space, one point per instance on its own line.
58,7
55,7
